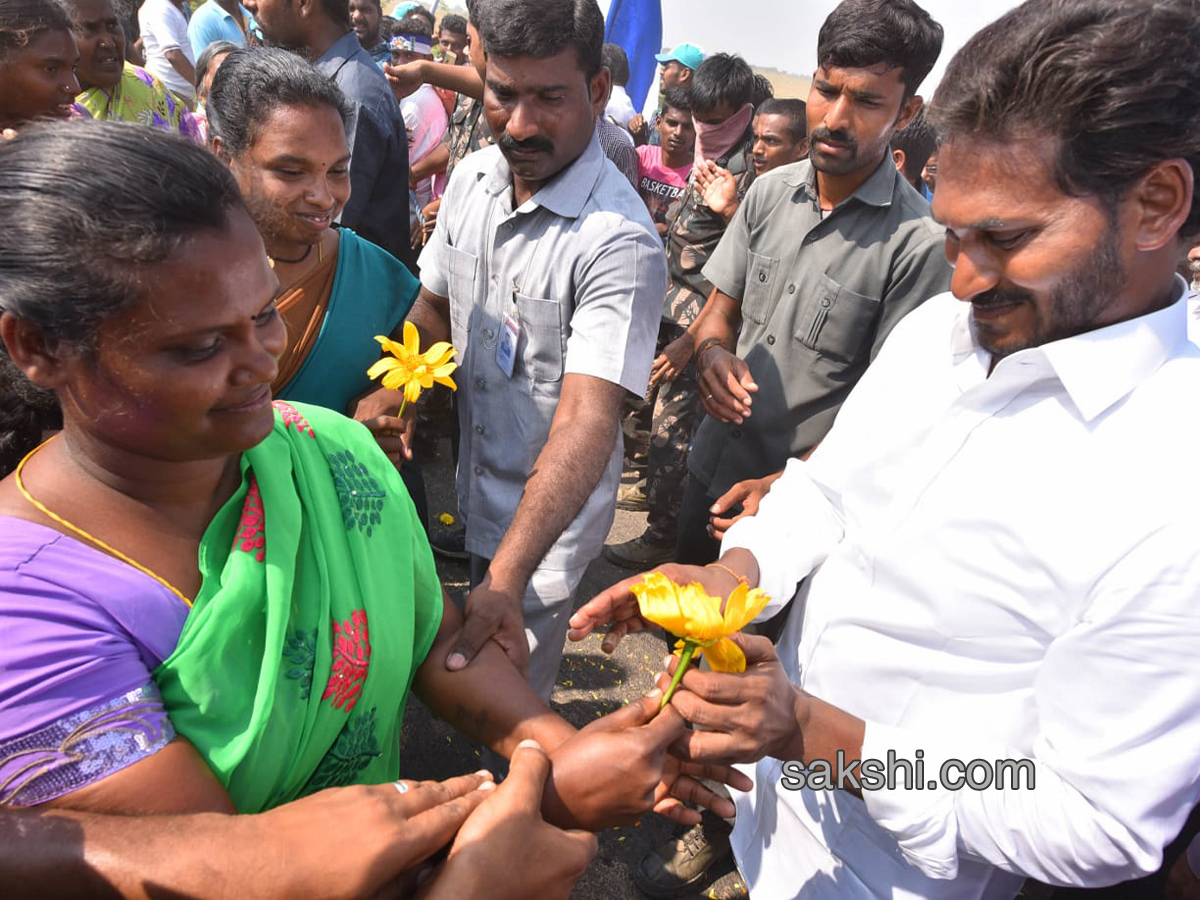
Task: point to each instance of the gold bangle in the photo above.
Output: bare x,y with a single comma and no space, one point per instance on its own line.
717,565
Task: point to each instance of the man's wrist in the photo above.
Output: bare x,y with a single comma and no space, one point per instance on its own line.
707,344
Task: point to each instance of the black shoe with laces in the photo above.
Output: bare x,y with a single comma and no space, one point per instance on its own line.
682,863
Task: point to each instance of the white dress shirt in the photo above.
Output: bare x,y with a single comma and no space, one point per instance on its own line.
1006,567
164,28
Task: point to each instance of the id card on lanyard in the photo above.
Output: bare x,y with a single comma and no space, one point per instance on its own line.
510,335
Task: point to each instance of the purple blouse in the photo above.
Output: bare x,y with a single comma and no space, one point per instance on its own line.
82,632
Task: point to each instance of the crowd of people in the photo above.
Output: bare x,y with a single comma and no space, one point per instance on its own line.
911,368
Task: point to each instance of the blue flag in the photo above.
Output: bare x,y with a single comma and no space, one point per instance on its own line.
636,26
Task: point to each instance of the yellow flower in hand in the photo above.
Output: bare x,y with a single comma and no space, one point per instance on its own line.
689,613
412,370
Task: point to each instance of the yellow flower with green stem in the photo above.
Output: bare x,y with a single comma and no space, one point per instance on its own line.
412,370
689,613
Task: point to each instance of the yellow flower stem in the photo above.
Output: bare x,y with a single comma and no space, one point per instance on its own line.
685,659
403,403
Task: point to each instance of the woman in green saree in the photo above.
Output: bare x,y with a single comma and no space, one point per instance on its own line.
213,603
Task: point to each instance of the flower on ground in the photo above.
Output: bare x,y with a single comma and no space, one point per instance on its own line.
411,370
446,519
689,613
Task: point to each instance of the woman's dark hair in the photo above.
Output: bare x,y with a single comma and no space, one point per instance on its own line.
722,79
865,34
207,55
793,112
252,83
1117,83
23,20
542,28
83,207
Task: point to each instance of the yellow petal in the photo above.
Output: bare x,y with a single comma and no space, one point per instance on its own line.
703,612
725,656
742,607
433,356
446,380
658,602
384,365
389,346
412,391
412,339
443,370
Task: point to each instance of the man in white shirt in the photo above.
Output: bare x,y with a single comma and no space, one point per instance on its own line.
168,50
996,545
619,107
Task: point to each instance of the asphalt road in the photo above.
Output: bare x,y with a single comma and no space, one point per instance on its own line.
590,684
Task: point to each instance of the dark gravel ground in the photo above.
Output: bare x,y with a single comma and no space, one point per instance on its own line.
590,684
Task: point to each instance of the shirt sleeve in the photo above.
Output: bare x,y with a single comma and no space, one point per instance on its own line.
918,274
614,326
1115,763
169,27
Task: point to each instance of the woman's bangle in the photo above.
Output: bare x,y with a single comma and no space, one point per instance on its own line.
725,568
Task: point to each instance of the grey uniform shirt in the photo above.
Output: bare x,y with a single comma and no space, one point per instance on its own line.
580,267
378,204
819,296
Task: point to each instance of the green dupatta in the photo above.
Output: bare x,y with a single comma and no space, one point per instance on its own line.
319,600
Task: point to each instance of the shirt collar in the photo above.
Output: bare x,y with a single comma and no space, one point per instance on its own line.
343,48
1099,368
877,190
567,193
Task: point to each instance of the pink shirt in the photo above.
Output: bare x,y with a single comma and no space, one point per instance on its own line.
660,186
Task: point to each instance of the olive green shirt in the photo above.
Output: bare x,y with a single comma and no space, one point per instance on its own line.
819,295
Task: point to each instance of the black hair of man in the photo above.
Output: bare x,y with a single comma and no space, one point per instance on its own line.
763,89
678,98
251,84
792,111
424,14
337,11
453,24
377,5
865,34
917,141
543,28
414,24
722,79
1117,83
616,62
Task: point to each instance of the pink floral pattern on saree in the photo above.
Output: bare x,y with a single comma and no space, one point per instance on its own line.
291,417
351,657
251,535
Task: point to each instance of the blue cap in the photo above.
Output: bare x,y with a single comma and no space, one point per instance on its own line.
685,54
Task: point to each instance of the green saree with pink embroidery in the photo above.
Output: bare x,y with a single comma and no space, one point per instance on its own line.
319,600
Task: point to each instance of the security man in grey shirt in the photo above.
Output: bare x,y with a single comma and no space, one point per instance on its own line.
822,259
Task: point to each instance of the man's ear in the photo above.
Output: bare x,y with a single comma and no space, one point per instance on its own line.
218,147
600,87
1161,202
29,351
909,110
898,158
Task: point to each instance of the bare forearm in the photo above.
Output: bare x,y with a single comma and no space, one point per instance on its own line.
180,63
463,79
71,854
563,477
432,164
431,315
719,320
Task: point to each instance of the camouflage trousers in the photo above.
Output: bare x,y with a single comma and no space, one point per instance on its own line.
635,433
677,413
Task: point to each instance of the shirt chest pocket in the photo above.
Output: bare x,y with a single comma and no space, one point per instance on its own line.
760,283
462,293
836,322
543,343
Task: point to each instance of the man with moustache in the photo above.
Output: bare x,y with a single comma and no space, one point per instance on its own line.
996,543
546,271
819,263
